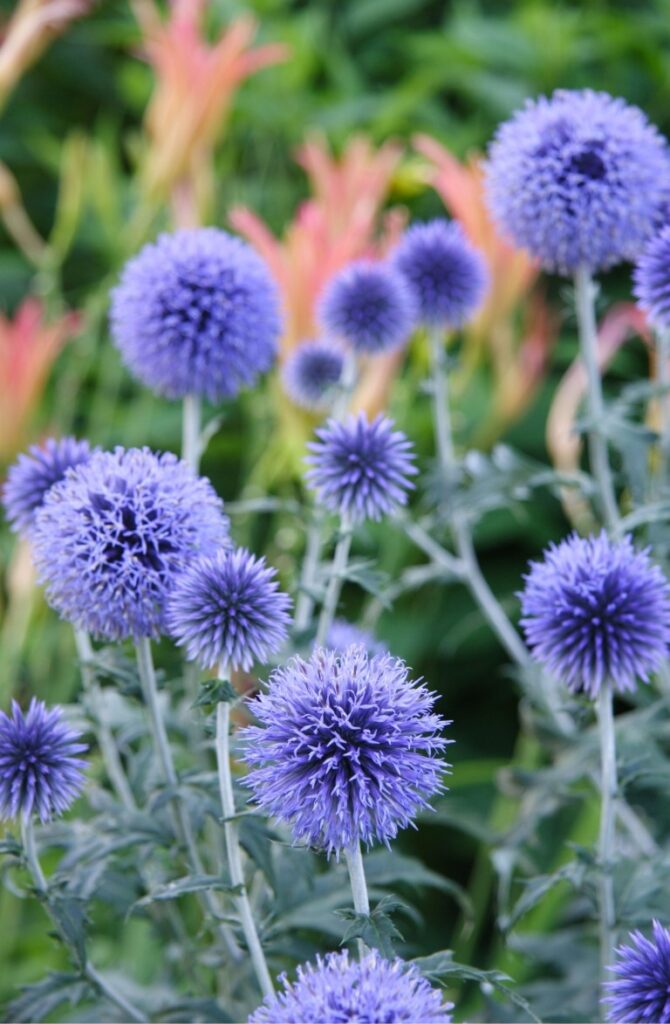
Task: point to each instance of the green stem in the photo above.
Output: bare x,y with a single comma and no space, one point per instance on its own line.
233,846
359,888
310,566
190,444
608,796
335,582
585,294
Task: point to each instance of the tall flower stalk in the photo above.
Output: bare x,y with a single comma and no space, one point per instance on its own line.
359,888
191,427
335,581
608,796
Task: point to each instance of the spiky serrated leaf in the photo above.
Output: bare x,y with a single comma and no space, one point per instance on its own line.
184,886
69,915
216,691
37,1002
439,966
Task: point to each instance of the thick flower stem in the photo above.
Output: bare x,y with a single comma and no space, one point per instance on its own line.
40,882
110,755
335,582
310,567
585,294
233,847
190,438
608,795
182,821
471,572
359,888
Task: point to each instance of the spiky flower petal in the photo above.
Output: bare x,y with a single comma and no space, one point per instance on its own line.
370,306
229,608
640,991
597,609
348,749
578,178
312,372
447,275
337,989
196,312
35,473
652,279
360,469
41,771
112,537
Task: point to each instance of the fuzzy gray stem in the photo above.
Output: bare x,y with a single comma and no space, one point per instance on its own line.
190,442
608,796
233,847
35,868
469,565
182,821
310,567
104,735
335,582
359,888
585,294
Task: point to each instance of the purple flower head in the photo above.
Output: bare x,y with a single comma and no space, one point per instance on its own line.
337,989
348,749
40,768
447,275
578,178
652,279
640,991
112,537
196,312
228,607
361,470
370,306
344,634
597,609
312,372
34,473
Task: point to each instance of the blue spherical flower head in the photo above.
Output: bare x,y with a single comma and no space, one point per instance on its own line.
348,748
579,178
228,608
370,306
344,634
196,312
447,275
337,989
597,610
640,991
41,771
35,473
312,373
112,537
359,469
652,279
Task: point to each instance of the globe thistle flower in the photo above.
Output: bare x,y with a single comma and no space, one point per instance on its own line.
359,469
40,768
348,748
312,372
34,473
597,609
578,178
228,607
370,990
196,312
112,537
370,306
652,279
640,991
344,634
447,275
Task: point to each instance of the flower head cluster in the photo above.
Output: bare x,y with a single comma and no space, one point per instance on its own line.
348,749
447,275
652,279
41,771
370,306
640,991
359,469
35,473
312,372
344,634
112,537
578,178
597,609
228,608
196,312
337,989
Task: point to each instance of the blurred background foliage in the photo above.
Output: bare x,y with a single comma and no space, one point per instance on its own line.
73,139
